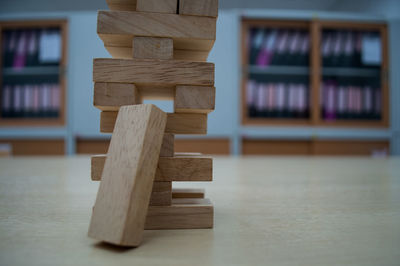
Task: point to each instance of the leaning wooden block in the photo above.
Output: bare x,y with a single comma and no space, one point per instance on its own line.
109,95
116,28
199,8
180,168
121,205
194,99
153,72
161,6
152,48
168,144
161,194
188,193
182,214
176,123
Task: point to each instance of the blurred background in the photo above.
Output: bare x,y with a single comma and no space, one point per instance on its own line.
316,77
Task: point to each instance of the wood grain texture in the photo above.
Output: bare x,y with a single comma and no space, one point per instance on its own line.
161,195
117,28
179,54
121,205
152,48
111,96
159,6
123,5
188,193
182,214
176,123
178,168
153,72
199,8
194,99
167,147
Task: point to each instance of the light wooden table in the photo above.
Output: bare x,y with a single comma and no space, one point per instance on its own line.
268,210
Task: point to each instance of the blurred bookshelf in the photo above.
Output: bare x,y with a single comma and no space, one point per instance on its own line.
32,73
314,73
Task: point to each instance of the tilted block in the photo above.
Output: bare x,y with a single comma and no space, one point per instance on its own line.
199,7
109,95
176,123
160,6
119,213
152,48
161,194
182,214
178,168
168,144
153,72
194,99
117,28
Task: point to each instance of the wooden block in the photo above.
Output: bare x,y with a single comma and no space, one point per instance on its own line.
180,168
121,5
182,214
152,48
161,194
160,6
111,96
199,7
188,193
167,147
188,55
117,28
153,72
120,210
176,123
194,99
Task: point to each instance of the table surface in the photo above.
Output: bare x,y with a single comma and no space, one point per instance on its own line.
268,210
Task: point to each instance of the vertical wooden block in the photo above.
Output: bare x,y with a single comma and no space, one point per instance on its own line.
120,210
161,194
207,8
110,96
158,6
152,48
194,99
167,148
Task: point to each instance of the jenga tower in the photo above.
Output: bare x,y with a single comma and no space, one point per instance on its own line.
159,50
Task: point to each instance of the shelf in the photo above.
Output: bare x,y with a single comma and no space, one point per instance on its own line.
275,121
278,70
351,72
32,71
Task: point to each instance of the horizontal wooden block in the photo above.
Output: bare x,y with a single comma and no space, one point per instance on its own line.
121,5
153,72
108,95
180,168
161,194
194,99
152,48
176,123
182,214
199,8
159,6
188,55
167,147
116,28
188,193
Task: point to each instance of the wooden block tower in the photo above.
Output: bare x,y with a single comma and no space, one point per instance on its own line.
159,50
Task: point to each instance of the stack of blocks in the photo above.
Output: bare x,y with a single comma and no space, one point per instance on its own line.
159,50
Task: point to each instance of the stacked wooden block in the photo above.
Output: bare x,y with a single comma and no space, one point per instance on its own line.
159,50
